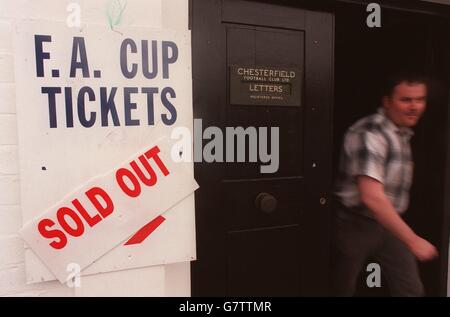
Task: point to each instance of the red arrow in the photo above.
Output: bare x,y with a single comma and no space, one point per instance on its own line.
145,231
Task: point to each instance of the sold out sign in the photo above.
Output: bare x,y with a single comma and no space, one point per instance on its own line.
109,209
70,218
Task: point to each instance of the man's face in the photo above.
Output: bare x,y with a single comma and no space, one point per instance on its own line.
406,104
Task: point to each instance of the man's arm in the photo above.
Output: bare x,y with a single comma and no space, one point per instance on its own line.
373,196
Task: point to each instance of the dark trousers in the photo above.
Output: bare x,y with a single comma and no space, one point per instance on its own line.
358,238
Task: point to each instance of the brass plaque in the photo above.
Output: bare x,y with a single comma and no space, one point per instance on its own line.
265,86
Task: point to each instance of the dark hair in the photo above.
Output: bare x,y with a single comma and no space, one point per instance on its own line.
397,78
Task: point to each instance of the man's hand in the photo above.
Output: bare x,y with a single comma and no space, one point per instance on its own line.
422,249
373,196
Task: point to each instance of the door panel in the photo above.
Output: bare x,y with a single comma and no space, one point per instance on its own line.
243,213
277,48
243,248
254,258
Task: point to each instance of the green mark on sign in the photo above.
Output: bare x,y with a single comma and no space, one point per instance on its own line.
115,11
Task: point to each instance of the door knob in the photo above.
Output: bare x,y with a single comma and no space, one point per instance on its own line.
266,202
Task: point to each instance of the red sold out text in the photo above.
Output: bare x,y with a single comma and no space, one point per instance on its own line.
72,220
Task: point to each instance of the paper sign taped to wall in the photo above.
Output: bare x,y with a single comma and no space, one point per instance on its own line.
109,209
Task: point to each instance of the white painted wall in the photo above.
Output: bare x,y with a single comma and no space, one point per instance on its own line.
166,280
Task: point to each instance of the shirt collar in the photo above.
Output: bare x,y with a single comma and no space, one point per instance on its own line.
392,126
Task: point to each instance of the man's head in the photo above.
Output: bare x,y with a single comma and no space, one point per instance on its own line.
405,99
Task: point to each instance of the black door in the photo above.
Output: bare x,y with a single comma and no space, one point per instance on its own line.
243,247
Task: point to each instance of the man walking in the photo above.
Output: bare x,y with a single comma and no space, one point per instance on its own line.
372,189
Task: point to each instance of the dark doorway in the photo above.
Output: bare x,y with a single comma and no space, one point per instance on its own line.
242,248
244,252
364,56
